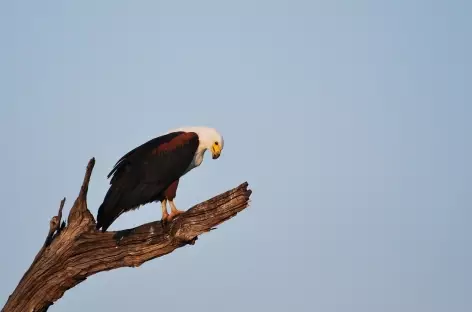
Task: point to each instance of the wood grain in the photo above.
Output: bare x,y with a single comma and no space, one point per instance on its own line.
77,250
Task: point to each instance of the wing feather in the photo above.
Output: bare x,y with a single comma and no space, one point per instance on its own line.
141,175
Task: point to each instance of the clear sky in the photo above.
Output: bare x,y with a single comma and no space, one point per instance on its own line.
351,121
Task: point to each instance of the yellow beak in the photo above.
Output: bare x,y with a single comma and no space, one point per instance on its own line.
215,151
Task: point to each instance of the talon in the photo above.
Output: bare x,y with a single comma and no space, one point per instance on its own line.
174,214
165,218
174,211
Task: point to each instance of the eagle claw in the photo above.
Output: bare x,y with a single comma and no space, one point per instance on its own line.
174,214
165,218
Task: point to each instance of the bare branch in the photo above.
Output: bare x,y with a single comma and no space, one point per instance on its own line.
78,250
79,211
55,224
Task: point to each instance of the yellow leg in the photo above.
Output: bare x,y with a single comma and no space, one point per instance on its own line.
165,215
173,210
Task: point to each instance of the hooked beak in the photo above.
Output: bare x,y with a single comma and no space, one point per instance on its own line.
215,151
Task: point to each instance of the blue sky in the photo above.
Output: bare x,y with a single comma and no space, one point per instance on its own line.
349,120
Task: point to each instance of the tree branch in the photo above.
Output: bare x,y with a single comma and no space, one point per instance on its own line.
74,252
55,224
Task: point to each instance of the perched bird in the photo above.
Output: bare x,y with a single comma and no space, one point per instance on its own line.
151,172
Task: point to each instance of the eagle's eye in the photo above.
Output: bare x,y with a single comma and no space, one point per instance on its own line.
216,143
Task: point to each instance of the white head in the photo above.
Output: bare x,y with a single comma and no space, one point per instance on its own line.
210,139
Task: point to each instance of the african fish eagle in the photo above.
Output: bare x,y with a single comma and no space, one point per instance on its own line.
151,172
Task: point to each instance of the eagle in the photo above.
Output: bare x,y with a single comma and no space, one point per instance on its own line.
151,172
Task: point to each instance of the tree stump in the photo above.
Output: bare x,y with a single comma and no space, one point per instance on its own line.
76,250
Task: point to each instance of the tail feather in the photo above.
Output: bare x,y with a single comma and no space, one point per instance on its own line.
108,212
118,200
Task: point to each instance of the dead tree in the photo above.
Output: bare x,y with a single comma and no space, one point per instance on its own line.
76,250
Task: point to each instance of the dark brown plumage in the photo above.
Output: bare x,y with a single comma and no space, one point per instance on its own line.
148,173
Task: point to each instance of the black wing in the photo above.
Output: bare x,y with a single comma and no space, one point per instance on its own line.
141,175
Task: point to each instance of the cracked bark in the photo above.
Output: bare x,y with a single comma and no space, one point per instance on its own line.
75,251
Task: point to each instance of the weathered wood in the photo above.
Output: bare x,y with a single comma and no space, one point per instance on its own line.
77,250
